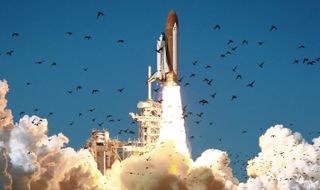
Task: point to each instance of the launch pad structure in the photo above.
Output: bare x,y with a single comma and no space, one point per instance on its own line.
106,150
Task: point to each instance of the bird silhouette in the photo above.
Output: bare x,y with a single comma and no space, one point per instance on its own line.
234,68
9,53
120,90
251,84
15,34
213,95
233,97
238,77
244,42
260,43
94,91
301,46
78,88
120,41
69,33
87,37
230,42
194,63
217,27
100,14
39,62
273,28
192,75
261,64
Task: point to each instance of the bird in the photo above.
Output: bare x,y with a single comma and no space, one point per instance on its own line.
233,97
94,91
186,84
200,114
87,37
28,83
15,34
50,114
207,66
296,61
261,64
234,48
79,88
120,90
234,68
70,123
217,27
260,43
273,28
69,33
99,14
203,102
21,113
222,55
244,42
209,82
53,64
120,41
91,110
244,131
180,79
301,46
70,91
39,62
194,63
230,42
9,53
213,95
192,75
251,84
159,50
238,77
79,114
85,69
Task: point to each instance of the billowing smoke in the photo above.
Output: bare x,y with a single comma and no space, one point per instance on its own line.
30,159
286,161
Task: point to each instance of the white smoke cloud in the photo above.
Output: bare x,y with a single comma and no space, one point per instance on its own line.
30,159
286,161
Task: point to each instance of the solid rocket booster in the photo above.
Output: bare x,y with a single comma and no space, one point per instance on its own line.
172,44
167,53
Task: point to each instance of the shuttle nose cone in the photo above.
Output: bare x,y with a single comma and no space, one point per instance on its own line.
171,19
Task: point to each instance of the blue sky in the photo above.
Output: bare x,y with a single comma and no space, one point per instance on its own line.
284,93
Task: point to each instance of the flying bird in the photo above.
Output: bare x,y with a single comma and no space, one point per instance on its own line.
94,91
301,46
213,95
261,64
217,27
261,43
192,75
251,84
39,62
234,68
10,53
194,63
238,77
120,90
273,28
15,34
230,42
100,14
244,42
79,88
233,97
87,37
120,41
69,33
92,109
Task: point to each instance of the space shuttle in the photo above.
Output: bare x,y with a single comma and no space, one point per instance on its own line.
167,54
